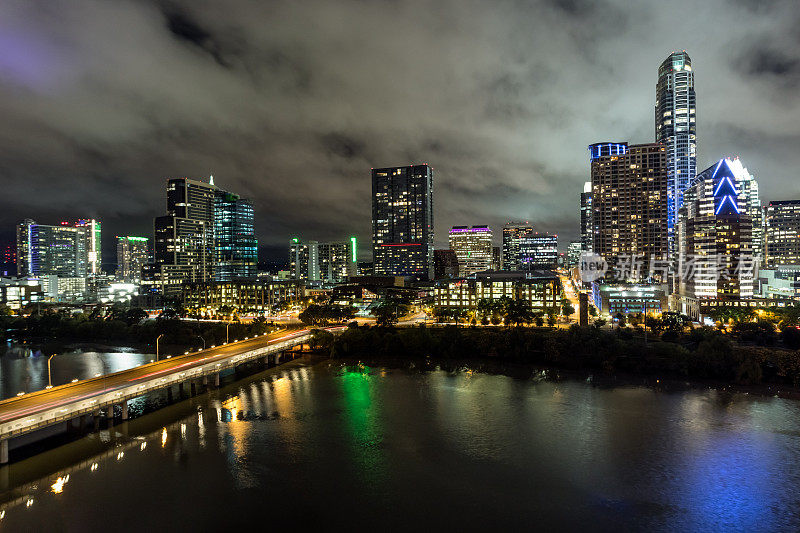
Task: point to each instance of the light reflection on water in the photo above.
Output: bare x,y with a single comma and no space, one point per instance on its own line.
355,446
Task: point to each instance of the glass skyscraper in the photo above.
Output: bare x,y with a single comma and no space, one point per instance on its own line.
235,244
675,128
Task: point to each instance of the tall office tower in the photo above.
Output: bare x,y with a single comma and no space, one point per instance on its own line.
675,112
749,202
513,233
304,259
51,250
497,258
184,237
537,251
783,233
473,248
715,239
629,205
402,221
574,253
235,244
132,255
8,260
91,232
587,235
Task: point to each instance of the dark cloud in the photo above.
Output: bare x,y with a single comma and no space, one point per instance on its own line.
291,103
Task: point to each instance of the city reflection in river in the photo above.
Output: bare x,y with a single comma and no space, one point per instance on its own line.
356,446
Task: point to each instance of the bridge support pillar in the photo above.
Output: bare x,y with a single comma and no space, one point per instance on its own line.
192,388
124,410
110,415
216,380
3,451
169,394
180,390
205,381
96,420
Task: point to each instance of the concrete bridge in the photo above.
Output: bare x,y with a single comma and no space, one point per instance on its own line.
75,402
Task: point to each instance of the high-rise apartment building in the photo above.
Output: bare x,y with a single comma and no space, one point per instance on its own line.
629,204
331,262
473,248
675,128
235,244
513,233
132,255
715,238
445,263
783,233
402,221
587,235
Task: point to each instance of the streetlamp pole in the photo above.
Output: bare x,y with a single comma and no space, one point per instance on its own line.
644,301
204,341
157,339
49,378
227,333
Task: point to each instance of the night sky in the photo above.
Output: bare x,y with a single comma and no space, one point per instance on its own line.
291,103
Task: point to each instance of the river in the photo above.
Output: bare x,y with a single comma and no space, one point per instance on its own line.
336,446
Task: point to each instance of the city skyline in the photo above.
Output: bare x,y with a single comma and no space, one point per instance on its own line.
499,139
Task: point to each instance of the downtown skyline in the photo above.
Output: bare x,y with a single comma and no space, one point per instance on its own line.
506,139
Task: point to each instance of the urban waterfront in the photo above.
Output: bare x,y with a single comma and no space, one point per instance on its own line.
339,445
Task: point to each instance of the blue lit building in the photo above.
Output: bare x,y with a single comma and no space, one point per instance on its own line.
675,128
716,258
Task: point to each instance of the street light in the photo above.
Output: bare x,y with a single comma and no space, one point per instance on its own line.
227,331
202,339
49,380
157,345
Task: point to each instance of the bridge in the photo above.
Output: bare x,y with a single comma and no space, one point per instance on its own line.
78,400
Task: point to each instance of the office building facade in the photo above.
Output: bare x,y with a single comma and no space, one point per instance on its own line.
587,235
402,221
235,244
51,250
783,233
473,248
132,255
513,233
329,262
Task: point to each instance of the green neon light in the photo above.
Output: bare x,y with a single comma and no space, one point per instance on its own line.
295,240
353,246
136,238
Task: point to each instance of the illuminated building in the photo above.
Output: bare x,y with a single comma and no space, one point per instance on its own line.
540,288
246,296
783,233
587,235
537,251
473,248
402,221
51,250
675,128
235,245
715,238
629,202
91,234
330,262
513,232
132,255
574,253
445,263
8,260
184,237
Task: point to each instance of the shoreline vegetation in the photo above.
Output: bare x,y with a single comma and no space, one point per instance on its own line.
51,331
699,354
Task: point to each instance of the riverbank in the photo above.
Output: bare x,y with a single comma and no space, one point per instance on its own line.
702,354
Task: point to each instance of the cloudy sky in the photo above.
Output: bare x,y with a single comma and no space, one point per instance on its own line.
292,102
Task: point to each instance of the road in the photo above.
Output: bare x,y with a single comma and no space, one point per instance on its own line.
40,401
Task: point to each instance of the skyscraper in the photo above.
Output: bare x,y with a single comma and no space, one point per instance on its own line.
715,239
51,250
537,251
513,233
675,114
331,262
235,245
132,255
402,221
587,235
629,193
473,248
783,233
93,245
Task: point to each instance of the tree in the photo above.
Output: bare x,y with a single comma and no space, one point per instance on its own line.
567,309
389,310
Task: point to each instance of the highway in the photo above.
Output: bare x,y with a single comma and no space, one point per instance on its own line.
40,401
